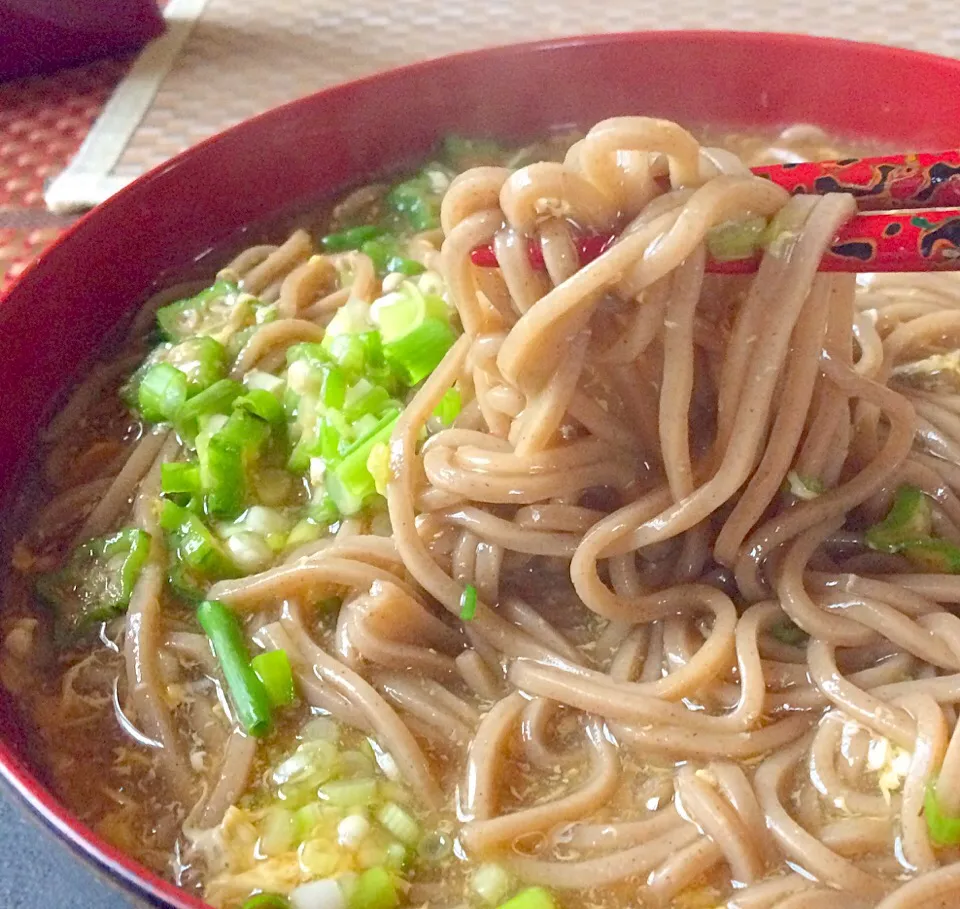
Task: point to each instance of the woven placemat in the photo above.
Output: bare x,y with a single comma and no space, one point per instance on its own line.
225,60
43,120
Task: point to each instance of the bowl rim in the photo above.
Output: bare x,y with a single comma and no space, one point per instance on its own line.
15,773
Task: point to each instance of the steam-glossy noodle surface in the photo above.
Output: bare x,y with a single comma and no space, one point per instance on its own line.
688,682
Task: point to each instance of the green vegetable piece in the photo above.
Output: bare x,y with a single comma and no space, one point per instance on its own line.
419,352
333,390
247,692
311,351
180,477
261,403
350,480
226,459
349,793
789,633
468,603
909,519
202,360
936,556
804,487
944,829
199,557
323,512
216,399
449,407
373,401
187,317
492,883
163,391
267,901
96,583
386,257
374,889
417,201
531,898
397,821
274,670
351,238
736,239
349,352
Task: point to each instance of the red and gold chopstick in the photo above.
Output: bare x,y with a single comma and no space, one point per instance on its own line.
925,237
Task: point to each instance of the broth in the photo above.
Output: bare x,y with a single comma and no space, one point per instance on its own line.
473,716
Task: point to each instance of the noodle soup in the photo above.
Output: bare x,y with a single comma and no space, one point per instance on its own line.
357,576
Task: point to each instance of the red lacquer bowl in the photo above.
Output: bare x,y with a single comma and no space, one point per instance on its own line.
53,319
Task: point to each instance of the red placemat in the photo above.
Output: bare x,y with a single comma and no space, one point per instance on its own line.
43,120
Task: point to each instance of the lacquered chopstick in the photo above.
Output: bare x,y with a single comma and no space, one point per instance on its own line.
878,240
870,242
913,180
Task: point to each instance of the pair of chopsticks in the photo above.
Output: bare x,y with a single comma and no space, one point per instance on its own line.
908,221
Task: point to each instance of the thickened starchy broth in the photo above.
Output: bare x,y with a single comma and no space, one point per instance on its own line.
360,576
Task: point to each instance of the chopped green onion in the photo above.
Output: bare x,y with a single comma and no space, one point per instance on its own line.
323,512
736,239
417,201
162,392
96,583
262,404
333,390
944,829
531,898
349,793
789,633
216,399
372,401
267,901
804,487
396,857
349,352
350,481
384,252
186,317
246,690
909,519
491,883
374,889
397,821
194,545
351,238
273,669
420,351
180,477
226,456
449,407
222,474
937,556
310,351
265,381
202,360
468,603
398,313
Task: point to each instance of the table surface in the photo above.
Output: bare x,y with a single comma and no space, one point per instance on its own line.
36,872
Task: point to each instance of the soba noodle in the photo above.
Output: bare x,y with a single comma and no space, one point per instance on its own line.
690,677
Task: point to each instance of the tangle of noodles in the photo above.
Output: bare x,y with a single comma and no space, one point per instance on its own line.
691,677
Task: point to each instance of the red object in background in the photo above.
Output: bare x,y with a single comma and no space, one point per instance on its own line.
43,35
57,314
